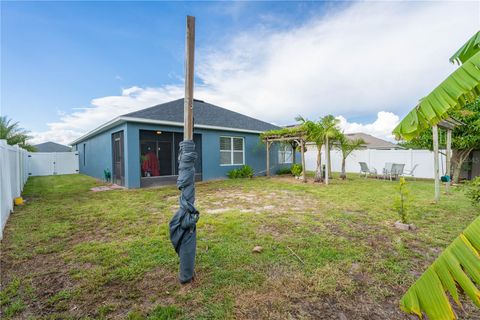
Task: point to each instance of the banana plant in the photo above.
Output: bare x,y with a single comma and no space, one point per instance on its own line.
459,88
457,267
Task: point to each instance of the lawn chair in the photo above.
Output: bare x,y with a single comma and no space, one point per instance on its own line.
387,170
411,172
365,170
397,170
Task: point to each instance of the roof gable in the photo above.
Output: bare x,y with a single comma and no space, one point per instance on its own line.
372,142
51,147
203,114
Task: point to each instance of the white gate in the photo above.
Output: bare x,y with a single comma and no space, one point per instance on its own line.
52,163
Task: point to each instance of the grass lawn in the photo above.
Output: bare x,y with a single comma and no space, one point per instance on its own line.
72,253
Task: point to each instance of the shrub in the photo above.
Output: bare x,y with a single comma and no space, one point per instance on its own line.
297,170
284,171
243,172
401,200
473,191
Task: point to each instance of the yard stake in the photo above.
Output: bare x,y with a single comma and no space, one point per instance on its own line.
183,226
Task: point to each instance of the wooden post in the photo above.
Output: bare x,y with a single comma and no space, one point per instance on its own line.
327,159
448,160
293,153
189,61
304,176
435,165
268,158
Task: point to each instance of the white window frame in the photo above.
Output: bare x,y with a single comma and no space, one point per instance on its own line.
232,151
282,153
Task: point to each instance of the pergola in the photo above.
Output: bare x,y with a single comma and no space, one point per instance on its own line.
294,137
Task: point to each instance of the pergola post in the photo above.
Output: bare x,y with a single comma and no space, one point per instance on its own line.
327,160
304,176
435,165
293,153
268,158
449,159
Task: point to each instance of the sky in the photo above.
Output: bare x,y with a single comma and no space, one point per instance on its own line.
68,67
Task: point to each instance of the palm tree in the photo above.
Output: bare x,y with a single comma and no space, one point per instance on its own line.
347,146
320,132
314,133
12,132
330,130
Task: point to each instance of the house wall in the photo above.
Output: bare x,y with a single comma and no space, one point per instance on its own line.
98,156
255,152
98,153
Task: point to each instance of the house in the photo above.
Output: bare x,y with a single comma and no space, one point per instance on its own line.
51,147
140,149
372,142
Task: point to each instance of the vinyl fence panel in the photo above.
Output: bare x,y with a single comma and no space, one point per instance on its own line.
52,163
377,159
13,175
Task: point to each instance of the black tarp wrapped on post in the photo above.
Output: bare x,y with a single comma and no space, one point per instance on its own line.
183,232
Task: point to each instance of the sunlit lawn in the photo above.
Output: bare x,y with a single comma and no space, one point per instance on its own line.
327,250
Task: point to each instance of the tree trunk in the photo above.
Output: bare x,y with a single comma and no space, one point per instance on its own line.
343,175
458,158
318,171
330,160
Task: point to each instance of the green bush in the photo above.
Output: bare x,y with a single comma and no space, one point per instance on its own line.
243,172
297,170
473,191
284,171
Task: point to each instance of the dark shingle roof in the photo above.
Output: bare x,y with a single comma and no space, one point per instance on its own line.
372,142
203,114
51,147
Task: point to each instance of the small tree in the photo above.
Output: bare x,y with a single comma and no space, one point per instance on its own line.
473,191
320,132
12,132
330,131
401,200
347,146
315,134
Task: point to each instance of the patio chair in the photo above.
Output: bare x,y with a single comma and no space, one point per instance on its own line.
365,170
397,170
387,170
411,173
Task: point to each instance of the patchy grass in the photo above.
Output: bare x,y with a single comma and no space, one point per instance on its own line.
71,253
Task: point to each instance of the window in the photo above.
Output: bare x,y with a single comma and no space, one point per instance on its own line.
232,151
285,154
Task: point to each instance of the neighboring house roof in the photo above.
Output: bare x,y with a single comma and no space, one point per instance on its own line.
372,142
51,147
205,116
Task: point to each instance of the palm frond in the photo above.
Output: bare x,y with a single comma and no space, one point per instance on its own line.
470,48
457,266
462,86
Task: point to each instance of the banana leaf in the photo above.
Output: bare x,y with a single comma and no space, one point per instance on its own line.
467,50
462,86
458,266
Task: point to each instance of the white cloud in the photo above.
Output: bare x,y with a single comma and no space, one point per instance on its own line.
367,57
381,128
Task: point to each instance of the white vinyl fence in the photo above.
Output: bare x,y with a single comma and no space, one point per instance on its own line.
377,159
13,175
17,164
52,163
